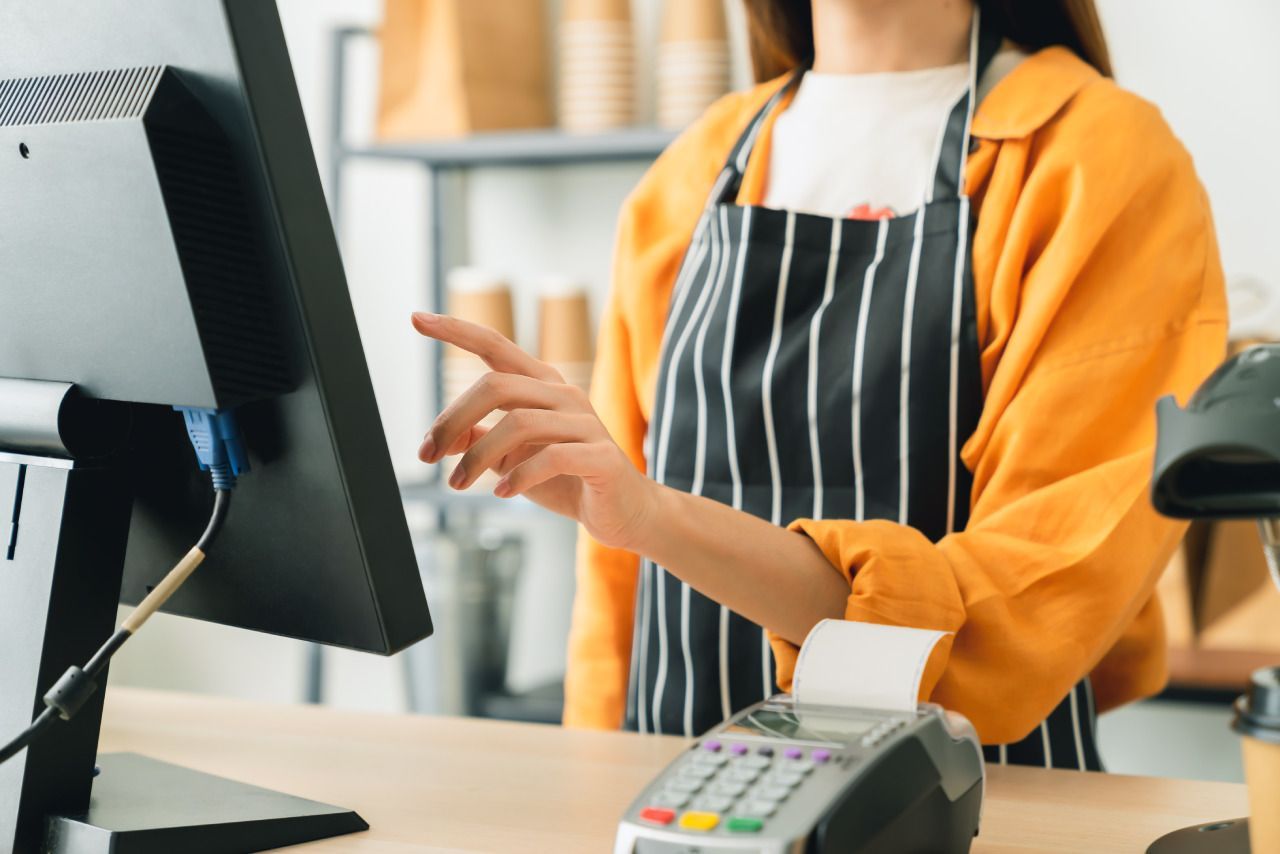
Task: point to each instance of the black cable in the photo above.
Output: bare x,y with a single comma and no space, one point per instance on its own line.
221,504
104,653
37,728
77,684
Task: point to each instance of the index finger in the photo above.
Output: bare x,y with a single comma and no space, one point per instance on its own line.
494,348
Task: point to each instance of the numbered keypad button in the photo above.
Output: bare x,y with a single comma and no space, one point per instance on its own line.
771,792
697,772
672,799
757,808
713,803
733,788
712,760
789,781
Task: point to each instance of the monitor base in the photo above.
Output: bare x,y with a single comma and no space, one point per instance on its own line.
1218,837
144,806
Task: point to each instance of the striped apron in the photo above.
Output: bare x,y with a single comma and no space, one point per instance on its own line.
822,368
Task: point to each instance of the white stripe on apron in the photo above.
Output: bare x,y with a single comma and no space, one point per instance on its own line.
700,452
766,402
815,332
859,358
663,447
731,327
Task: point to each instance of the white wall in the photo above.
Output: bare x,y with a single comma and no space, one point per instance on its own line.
1212,67
1214,70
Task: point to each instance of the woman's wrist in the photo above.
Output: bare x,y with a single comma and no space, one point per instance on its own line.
650,527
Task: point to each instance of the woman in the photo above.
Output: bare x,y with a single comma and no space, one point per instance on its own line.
883,345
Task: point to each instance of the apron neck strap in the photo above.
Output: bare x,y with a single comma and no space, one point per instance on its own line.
730,181
953,152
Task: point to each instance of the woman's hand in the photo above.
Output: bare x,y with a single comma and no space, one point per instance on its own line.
550,446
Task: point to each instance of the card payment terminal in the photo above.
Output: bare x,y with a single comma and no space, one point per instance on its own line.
779,778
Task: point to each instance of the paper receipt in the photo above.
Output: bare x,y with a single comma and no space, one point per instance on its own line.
863,665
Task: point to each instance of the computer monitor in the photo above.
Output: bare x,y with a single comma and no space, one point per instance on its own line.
165,242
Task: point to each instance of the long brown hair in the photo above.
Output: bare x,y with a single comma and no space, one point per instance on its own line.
782,30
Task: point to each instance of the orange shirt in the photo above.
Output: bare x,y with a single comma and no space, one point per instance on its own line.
1098,289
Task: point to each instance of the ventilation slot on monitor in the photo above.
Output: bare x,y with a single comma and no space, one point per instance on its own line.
222,262
85,97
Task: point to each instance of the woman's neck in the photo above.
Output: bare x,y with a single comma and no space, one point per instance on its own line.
864,36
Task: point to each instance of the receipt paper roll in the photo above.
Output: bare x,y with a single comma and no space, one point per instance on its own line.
863,665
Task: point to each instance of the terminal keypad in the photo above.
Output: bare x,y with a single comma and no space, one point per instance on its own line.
738,786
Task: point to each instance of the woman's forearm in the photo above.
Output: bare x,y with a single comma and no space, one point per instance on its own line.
552,447
772,576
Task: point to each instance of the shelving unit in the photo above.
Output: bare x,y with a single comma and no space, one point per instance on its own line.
446,165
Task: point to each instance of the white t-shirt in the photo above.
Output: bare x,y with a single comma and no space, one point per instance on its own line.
864,145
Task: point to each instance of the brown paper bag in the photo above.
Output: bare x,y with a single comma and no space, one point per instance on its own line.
454,67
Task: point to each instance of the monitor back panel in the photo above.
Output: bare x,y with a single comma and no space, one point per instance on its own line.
317,547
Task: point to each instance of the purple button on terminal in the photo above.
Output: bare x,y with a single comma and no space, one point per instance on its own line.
793,753
820,755
711,746
738,749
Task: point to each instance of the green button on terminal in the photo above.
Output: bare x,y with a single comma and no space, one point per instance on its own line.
741,824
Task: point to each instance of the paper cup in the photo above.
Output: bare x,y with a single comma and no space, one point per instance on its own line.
593,32
692,86
596,31
564,322
620,90
618,106
480,297
694,50
596,10
585,75
597,45
694,20
590,58
596,82
598,100
685,67
593,52
603,108
1258,720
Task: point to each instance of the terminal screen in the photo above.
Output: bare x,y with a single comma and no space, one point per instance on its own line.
803,726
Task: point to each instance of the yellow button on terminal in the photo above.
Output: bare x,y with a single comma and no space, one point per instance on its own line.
702,821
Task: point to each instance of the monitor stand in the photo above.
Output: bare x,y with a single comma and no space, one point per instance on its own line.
63,531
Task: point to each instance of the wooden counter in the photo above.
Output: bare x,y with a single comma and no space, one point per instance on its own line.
443,784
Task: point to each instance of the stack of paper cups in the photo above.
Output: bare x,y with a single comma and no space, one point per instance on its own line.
485,298
597,66
693,60
564,329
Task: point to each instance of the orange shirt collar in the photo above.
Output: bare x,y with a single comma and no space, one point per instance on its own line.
1032,94
1022,103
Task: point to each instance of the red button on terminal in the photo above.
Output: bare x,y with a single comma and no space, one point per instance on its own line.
657,815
